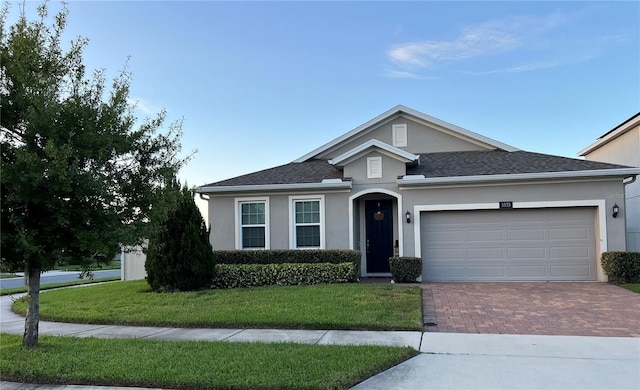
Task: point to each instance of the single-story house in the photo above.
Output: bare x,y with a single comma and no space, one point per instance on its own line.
621,145
408,184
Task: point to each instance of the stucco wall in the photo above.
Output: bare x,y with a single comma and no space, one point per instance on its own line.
420,139
391,169
338,209
223,229
625,150
532,192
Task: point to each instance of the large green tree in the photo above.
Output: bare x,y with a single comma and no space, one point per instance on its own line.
79,176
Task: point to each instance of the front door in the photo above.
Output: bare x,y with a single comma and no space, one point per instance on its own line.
379,234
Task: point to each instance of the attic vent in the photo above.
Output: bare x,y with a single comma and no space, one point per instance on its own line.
399,135
374,167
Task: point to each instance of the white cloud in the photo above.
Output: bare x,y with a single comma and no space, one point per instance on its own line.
475,41
399,74
144,106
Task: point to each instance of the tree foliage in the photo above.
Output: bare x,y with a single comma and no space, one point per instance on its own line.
79,176
179,256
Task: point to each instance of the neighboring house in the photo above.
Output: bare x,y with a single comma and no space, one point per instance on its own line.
408,184
621,145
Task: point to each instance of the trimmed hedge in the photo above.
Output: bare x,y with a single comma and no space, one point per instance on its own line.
622,266
286,274
282,256
405,269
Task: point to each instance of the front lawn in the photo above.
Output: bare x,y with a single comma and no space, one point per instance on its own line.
193,364
635,287
332,306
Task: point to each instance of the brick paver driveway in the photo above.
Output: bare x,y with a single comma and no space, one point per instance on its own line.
545,308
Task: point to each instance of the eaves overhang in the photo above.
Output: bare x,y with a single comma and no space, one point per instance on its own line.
325,186
419,180
613,134
373,145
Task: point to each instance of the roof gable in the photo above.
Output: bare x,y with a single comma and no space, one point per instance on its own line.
612,134
411,114
376,145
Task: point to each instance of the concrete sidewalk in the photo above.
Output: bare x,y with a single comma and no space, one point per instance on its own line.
13,323
447,361
490,361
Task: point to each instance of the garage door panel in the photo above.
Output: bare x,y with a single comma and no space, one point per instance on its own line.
528,271
527,253
446,254
485,254
444,273
525,234
570,215
514,216
568,233
519,244
447,236
569,253
485,235
486,271
564,271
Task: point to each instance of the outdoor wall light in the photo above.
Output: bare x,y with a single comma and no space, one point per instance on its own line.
616,210
408,216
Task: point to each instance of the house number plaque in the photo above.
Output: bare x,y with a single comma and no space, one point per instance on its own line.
506,205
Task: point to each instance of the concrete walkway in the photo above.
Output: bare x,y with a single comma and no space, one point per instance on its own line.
13,323
447,361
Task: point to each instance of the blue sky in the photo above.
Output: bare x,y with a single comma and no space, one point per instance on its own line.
260,84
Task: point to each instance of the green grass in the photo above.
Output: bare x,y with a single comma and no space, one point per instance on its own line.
193,364
7,276
19,290
332,306
635,287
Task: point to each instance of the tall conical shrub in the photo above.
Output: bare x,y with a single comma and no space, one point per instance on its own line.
179,256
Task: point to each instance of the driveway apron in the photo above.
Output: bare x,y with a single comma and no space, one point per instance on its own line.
534,308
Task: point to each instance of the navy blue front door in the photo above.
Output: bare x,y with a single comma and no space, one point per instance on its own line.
379,234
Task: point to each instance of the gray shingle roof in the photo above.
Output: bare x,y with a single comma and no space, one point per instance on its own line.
474,163
311,171
445,164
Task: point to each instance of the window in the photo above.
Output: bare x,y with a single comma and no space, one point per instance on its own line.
374,167
399,135
252,223
307,220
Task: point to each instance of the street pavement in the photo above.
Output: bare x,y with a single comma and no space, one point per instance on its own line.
447,360
51,277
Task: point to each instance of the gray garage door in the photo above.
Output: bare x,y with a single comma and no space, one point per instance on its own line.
515,244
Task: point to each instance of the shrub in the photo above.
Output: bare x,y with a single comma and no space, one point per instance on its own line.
405,269
179,256
622,266
333,256
286,274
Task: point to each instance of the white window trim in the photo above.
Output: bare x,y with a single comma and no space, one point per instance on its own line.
370,173
397,130
292,216
238,224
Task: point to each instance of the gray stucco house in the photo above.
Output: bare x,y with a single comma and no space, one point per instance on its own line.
621,145
405,183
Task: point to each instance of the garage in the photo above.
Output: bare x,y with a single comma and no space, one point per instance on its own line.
509,244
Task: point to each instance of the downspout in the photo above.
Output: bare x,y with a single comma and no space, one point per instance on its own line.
624,186
633,179
206,197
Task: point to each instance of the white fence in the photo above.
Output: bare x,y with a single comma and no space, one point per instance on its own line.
132,264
